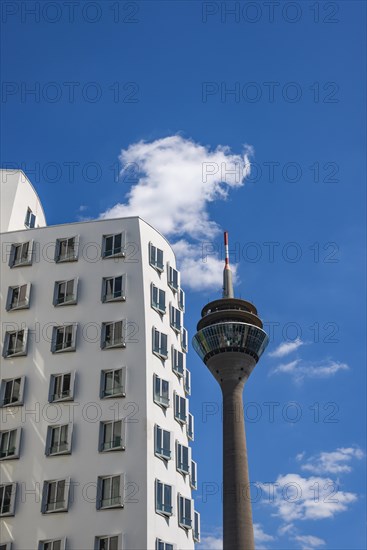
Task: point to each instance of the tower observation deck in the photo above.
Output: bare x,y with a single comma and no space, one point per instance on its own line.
230,340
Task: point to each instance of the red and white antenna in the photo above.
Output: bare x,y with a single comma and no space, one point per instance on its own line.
227,273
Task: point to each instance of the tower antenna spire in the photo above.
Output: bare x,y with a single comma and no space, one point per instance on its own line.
227,273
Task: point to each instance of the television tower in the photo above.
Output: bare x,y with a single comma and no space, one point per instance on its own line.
230,340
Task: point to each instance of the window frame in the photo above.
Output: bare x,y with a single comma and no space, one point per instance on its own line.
99,499
170,278
158,443
55,330
13,494
156,305
104,295
175,313
4,383
41,543
190,432
162,401
29,218
69,438
196,532
157,266
159,352
68,257
177,410
29,254
9,300
74,299
179,458
51,392
181,299
175,363
122,343
121,253
163,545
17,443
6,545
158,510
97,540
122,436
181,505
194,475
122,393
45,493
187,381
24,349
184,340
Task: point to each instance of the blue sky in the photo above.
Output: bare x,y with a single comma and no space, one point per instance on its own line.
104,82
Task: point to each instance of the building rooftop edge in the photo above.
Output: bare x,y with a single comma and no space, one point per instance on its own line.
15,170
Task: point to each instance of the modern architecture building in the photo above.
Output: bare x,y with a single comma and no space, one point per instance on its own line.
230,341
96,425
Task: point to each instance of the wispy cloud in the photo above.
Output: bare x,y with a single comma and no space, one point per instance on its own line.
211,543
334,462
286,348
215,541
309,542
177,179
300,369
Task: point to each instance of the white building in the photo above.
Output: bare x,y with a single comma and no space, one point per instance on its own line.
96,426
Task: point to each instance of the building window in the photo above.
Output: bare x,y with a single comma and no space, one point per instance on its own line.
64,338
160,344
112,436
160,391
158,297
21,254
193,475
113,335
109,489
177,362
184,340
65,292
113,245
15,343
11,392
55,496
66,250
7,499
190,426
110,542
182,458
5,546
62,387
113,383
173,278
156,257
175,319
52,544
180,409
59,439
10,443
162,442
196,530
114,289
163,498
181,299
187,386
30,219
18,297
161,545
184,512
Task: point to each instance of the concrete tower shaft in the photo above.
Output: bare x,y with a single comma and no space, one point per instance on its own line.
230,340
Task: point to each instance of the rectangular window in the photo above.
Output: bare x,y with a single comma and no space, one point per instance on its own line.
55,496
64,338
160,344
187,382
182,458
62,387
18,297
15,343
59,439
30,219
160,391
196,530
10,443
175,319
11,392
156,257
113,383
108,542
190,427
7,499
114,289
112,436
113,335
161,545
21,254
66,250
162,442
193,475
65,292
184,340
163,498
181,299
109,490
177,362
52,544
158,297
180,409
5,546
114,245
173,278
184,512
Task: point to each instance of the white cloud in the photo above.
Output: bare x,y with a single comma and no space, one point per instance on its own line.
309,542
177,178
286,347
211,543
297,498
215,542
300,370
335,462
260,535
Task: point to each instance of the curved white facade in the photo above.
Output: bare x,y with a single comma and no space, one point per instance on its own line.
60,344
